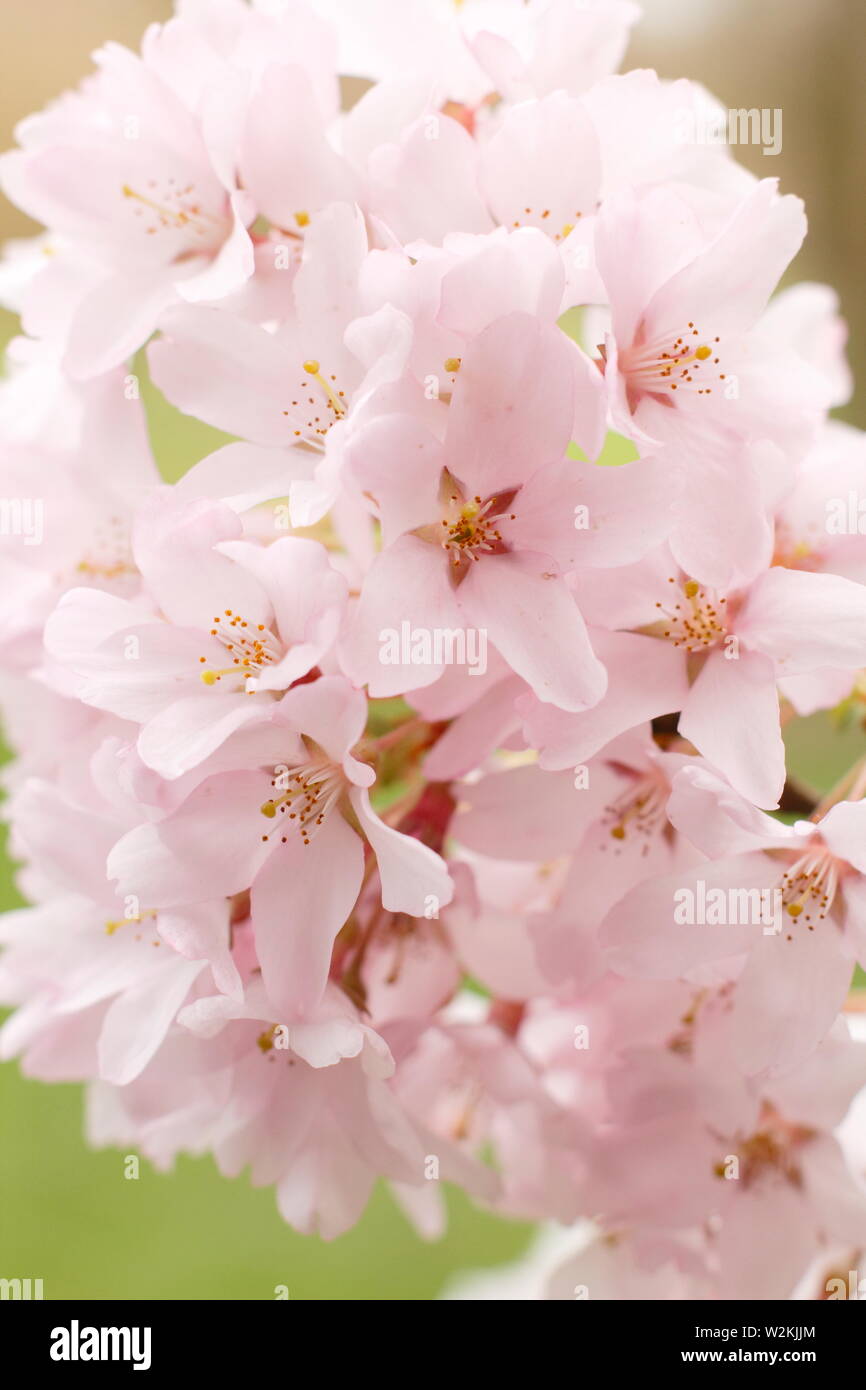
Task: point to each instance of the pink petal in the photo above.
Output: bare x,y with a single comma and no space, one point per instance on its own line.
476,733
646,678
843,830
212,846
731,715
718,819
544,156
532,619
806,621
512,407
232,266
641,936
300,900
728,284
424,188
138,1019
789,994
329,711
411,873
285,181
406,585
527,814
243,475
228,372
182,735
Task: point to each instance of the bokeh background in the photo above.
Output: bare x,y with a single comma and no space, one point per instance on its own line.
68,1215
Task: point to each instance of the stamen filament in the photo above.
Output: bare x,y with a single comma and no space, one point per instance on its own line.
313,369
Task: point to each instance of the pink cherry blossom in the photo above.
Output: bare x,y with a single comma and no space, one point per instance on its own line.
167,660
800,959
483,530
398,791
293,836
737,645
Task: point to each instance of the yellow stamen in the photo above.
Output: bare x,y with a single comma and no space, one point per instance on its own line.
112,926
211,677
180,216
313,369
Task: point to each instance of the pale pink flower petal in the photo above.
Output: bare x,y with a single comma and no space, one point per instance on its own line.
731,715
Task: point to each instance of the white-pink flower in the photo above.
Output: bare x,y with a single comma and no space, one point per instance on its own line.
283,810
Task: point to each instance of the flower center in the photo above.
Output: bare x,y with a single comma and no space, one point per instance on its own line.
251,648
679,364
307,792
109,554
795,551
809,887
146,915
772,1151
697,619
112,926
533,218
470,527
333,405
640,810
173,209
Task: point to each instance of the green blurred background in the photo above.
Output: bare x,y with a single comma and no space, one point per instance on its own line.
68,1215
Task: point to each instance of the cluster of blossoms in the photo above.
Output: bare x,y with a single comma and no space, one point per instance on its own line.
394,792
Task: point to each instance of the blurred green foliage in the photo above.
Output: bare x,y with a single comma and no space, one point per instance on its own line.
71,1217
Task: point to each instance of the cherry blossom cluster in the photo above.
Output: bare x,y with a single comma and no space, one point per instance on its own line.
397,794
